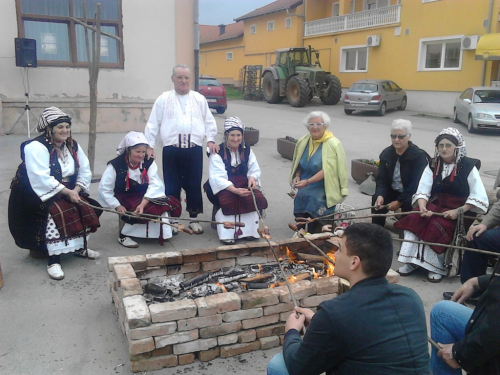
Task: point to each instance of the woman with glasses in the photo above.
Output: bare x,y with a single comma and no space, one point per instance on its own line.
319,171
401,166
449,185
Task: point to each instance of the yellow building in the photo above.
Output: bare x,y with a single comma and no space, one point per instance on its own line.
252,40
426,46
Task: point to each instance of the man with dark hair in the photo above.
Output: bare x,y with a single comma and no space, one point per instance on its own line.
374,328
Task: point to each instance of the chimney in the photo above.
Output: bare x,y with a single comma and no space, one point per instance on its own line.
222,29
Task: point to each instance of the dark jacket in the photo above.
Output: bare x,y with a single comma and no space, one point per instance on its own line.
375,328
478,352
412,164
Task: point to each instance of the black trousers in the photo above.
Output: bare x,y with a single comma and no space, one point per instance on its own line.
392,195
475,264
183,169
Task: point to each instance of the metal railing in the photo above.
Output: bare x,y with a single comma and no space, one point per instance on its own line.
360,20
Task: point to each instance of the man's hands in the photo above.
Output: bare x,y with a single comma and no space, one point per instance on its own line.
151,153
298,322
447,355
379,202
477,229
466,290
214,148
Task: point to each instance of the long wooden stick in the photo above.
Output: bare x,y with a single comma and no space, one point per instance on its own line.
402,214
128,214
450,246
434,343
296,230
233,223
266,237
312,219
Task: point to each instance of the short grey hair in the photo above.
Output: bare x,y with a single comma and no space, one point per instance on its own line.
401,124
184,66
313,114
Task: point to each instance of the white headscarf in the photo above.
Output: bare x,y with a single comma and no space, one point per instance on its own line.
130,140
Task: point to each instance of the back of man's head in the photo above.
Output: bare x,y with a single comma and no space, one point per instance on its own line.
373,245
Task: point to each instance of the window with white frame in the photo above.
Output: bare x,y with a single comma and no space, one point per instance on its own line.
336,9
354,59
440,54
60,39
253,29
270,26
229,56
374,4
288,22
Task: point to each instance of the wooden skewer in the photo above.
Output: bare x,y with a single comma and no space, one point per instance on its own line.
450,246
312,219
180,227
402,214
296,230
434,343
232,224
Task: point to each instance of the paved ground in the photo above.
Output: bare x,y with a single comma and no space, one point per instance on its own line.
70,327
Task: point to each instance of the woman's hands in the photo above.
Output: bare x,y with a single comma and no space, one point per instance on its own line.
295,180
72,194
251,183
451,214
301,184
121,209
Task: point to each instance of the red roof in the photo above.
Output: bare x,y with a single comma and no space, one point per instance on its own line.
209,34
275,6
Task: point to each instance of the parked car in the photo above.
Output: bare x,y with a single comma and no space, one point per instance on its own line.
376,95
479,108
215,93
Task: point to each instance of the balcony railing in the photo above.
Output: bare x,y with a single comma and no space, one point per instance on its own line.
360,20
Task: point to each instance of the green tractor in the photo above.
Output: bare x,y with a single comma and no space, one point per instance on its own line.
296,77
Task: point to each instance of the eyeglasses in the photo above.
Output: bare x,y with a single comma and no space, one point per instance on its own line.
399,136
446,145
311,124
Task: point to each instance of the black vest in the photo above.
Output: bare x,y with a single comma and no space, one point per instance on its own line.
459,187
121,168
240,170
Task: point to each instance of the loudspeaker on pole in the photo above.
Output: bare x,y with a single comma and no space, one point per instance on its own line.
26,52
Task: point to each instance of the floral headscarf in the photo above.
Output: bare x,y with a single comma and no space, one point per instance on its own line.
453,135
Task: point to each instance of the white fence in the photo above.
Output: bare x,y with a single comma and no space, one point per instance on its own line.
359,20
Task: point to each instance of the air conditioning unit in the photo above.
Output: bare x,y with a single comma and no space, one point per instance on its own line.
373,41
469,42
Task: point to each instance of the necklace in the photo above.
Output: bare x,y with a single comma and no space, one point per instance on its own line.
62,154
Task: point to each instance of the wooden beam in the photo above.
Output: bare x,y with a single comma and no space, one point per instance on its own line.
94,29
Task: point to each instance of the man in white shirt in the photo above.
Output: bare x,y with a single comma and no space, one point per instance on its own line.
183,119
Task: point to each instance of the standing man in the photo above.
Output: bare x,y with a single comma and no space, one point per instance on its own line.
375,328
184,120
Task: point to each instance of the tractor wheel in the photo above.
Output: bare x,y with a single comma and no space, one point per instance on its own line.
333,91
297,91
271,89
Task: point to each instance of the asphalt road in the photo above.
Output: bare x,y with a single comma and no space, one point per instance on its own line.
70,327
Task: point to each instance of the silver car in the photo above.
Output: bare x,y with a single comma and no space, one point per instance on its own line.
376,95
479,108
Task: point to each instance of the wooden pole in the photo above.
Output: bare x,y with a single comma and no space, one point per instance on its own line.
1,276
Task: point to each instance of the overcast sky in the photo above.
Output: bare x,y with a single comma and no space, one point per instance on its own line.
215,12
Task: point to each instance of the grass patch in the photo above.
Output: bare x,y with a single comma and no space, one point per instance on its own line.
234,93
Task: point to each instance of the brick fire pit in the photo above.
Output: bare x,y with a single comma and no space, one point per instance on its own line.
221,325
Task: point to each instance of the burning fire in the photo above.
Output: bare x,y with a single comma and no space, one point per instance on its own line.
330,267
224,290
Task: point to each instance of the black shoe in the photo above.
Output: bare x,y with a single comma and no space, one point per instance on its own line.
447,295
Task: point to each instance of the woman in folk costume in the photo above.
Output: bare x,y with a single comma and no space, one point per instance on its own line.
44,210
450,184
131,183
319,170
233,171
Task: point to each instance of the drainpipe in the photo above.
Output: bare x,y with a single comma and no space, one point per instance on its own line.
302,17
196,45
488,30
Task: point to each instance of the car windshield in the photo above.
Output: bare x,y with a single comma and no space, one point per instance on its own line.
487,96
364,87
209,82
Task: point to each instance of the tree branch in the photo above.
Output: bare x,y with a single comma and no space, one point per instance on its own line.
94,29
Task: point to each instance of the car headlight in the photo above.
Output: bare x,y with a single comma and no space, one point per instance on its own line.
484,116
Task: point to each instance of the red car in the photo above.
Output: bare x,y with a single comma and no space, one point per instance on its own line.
215,93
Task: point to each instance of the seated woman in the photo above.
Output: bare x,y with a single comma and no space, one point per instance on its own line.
401,166
450,184
319,170
45,213
233,171
131,183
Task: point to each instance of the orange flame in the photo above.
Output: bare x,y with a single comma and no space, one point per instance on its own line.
291,255
224,290
315,274
260,268
330,268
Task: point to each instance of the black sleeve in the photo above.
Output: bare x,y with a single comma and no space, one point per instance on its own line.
382,178
482,344
417,168
320,350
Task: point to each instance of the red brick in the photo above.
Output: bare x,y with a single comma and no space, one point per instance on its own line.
217,264
129,287
184,268
141,346
220,330
154,363
237,349
280,307
186,359
158,329
326,285
123,271
138,262
234,316
175,338
208,355
195,346
199,255
137,312
301,289
200,322
232,251
258,322
218,303
248,335
314,301
259,298
273,330
167,350
269,342
170,311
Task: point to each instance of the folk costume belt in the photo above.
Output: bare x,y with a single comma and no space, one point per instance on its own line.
184,141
